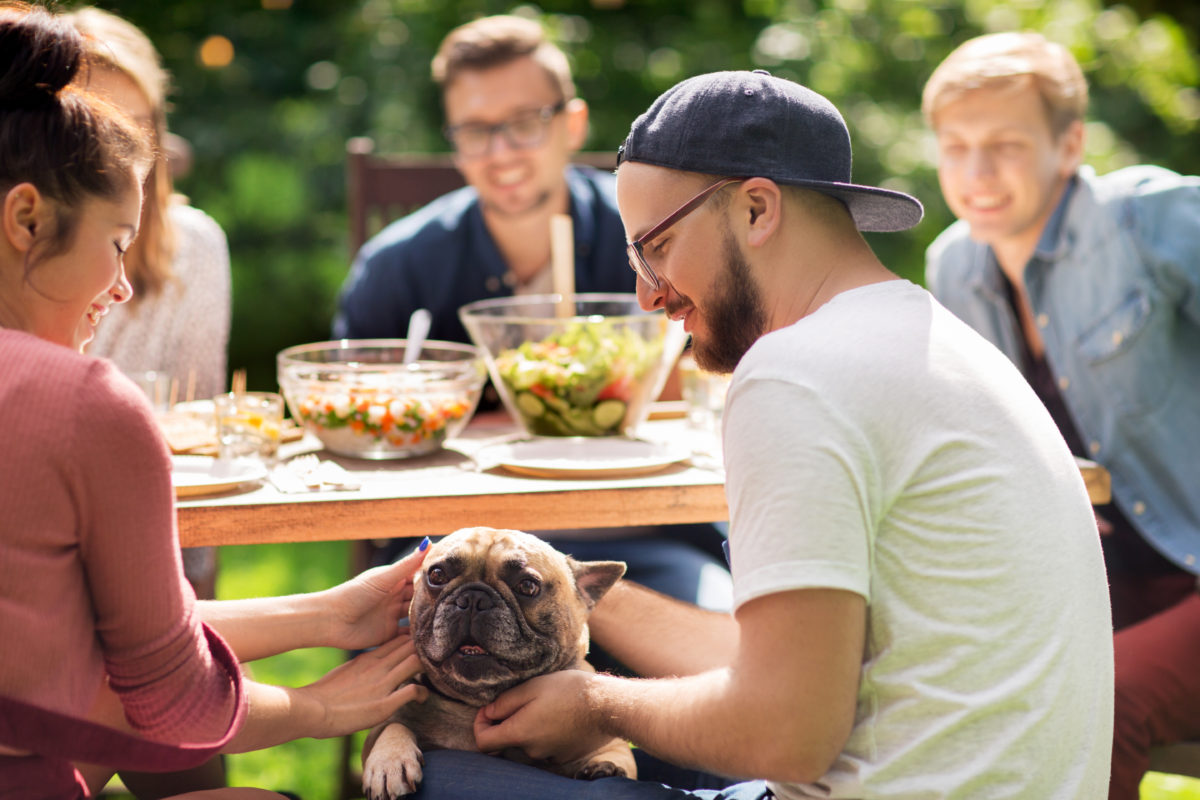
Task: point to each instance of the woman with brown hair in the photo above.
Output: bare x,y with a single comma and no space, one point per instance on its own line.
109,659
176,325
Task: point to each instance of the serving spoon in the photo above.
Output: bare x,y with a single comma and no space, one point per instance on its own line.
418,330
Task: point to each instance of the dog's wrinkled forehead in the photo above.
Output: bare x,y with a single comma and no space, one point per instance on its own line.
482,552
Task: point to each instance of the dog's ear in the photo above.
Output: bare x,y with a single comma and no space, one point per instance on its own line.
594,578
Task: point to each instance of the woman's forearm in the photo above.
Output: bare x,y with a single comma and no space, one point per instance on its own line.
261,627
275,714
351,697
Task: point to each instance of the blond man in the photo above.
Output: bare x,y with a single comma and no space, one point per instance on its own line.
1091,285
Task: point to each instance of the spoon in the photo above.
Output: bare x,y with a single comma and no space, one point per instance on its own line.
418,329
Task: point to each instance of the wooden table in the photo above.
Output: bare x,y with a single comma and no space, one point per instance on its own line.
440,493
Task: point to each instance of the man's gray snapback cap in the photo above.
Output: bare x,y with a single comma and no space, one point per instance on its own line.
752,124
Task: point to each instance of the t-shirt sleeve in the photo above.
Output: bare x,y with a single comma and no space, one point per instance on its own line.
797,481
156,654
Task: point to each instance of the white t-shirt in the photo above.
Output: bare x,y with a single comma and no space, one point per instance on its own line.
882,447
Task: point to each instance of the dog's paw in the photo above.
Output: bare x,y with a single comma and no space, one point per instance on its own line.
393,768
594,770
388,779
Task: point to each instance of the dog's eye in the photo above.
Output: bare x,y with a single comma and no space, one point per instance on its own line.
529,587
436,576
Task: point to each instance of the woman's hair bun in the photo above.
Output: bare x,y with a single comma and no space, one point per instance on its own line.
40,53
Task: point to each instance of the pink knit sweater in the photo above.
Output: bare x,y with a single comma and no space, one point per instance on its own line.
90,577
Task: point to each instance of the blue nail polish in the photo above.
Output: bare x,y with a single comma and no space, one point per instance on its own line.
424,544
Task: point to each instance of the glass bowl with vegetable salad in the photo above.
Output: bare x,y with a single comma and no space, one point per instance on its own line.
592,371
360,399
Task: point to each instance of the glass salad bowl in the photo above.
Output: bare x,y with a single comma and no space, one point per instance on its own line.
594,372
360,399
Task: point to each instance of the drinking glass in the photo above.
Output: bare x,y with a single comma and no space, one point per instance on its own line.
248,424
704,393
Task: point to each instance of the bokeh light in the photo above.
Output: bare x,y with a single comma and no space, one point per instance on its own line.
216,52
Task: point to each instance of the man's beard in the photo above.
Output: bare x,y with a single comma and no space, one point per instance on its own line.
736,317
537,204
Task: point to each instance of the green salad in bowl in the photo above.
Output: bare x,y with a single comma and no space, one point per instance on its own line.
593,373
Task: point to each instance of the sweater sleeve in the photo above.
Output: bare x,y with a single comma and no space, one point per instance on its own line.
155,652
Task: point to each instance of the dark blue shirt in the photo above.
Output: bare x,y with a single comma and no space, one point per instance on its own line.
442,257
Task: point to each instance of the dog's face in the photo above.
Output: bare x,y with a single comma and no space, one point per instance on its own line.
492,608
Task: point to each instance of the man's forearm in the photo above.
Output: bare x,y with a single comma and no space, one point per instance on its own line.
659,636
782,708
703,721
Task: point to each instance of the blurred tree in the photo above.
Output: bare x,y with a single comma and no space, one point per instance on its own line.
268,92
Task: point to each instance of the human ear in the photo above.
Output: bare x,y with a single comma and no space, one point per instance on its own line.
1071,142
24,208
761,202
576,111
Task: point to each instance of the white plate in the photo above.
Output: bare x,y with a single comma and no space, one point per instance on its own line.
581,456
197,475
201,409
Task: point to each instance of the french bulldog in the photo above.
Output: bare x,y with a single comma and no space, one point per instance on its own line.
491,608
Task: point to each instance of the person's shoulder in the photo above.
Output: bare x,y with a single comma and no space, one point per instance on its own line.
956,238
594,199
1144,191
194,225
1151,200
598,181
950,257
1138,180
602,179
51,375
431,226
23,351
201,250
112,409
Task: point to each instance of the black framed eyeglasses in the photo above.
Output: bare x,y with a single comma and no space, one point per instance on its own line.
522,130
637,255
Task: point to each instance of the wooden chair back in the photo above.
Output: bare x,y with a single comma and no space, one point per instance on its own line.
381,188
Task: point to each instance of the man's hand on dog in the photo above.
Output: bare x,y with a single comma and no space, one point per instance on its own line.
547,717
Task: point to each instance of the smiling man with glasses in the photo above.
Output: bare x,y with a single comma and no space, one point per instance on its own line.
514,122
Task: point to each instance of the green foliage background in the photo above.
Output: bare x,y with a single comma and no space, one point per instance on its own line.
269,131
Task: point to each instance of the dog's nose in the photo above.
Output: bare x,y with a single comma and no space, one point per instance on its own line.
474,599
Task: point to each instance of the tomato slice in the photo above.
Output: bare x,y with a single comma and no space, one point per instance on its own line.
620,389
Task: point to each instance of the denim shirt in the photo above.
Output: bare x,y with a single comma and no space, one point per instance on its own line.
1116,298
442,257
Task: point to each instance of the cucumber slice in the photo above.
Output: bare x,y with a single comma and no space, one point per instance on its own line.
555,402
580,422
608,414
530,405
551,424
